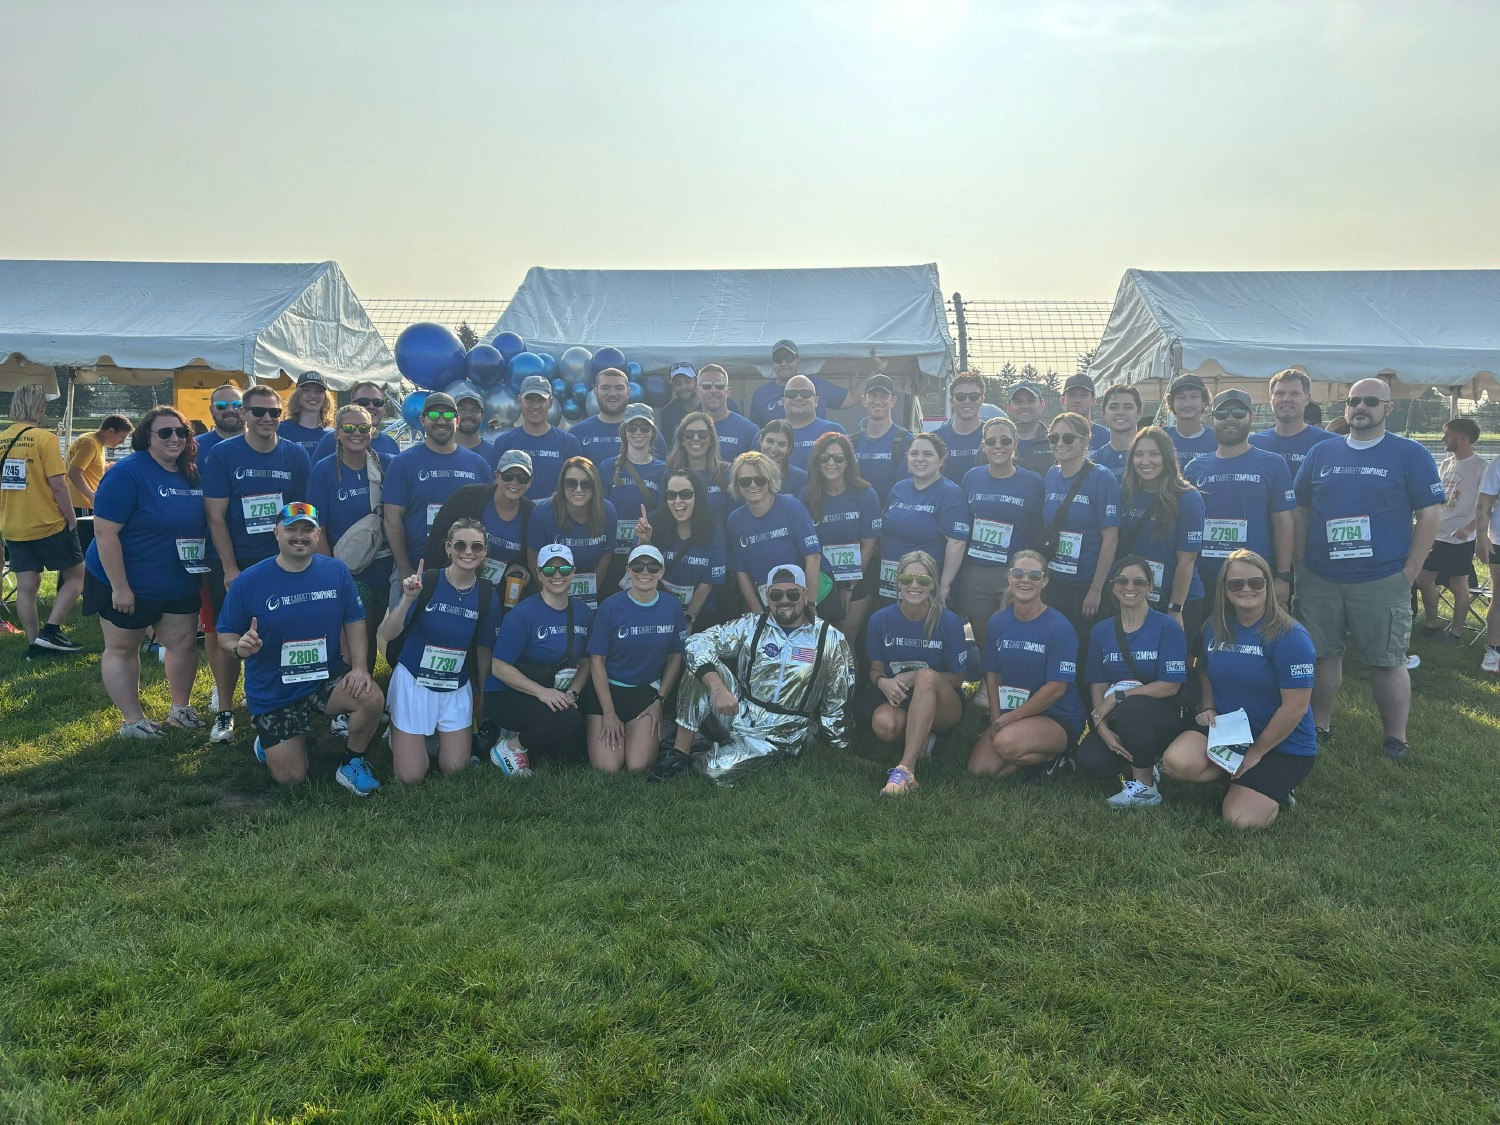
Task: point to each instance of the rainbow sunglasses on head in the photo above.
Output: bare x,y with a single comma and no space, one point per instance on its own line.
298,512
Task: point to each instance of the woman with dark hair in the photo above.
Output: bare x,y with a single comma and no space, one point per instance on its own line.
924,512
1005,503
1080,523
1256,658
1137,663
143,569
847,513
577,516
776,440
1161,520
695,446
692,545
632,482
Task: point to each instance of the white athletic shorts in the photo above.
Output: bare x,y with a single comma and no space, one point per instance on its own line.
418,710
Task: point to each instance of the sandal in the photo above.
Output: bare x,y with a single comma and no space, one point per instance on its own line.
899,780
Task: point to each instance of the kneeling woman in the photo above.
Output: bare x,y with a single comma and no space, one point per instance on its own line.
1137,662
916,653
1259,659
1030,663
437,639
536,676
635,651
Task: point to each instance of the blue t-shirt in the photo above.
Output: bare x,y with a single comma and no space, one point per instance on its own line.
1006,515
587,549
628,498
1240,495
533,630
420,480
847,518
902,644
1204,441
1249,673
784,535
920,520
307,437
635,640
1295,448
736,434
505,539
380,442
1108,457
436,648
1159,545
548,452
804,438
689,564
601,440
257,486
299,616
342,497
1034,454
963,450
1026,655
766,403
163,531
206,442
1098,435
1360,505
882,460
669,417
1096,507
1159,647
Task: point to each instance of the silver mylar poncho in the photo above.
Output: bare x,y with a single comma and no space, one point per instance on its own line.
779,673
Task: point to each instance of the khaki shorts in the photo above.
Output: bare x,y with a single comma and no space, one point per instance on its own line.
1375,615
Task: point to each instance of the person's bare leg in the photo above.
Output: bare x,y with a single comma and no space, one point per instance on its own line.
1186,759
1427,586
1245,808
364,714
1328,676
226,669
120,669
1392,690
178,634
408,756
455,748
287,761
605,759
28,583
69,590
641,741
1459,585
934,706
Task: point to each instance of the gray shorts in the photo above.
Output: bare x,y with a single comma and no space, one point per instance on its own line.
1376,615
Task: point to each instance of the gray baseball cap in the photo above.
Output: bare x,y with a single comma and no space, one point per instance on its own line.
512,459
536,385
638,410
1033,388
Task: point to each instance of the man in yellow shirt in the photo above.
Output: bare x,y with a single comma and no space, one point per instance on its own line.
86,460
37,521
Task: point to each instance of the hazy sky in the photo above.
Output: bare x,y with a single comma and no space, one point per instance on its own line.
1030,149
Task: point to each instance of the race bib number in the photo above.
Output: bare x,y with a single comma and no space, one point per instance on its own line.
624,536
990,540
304,660
585,585
432,511
1122,685
190,554
563,678
846,562
1158,576
888,578
1349,538
260,512
1069,548
684,594
441,668
15,475
492,570
1222,536
896,667
1012,697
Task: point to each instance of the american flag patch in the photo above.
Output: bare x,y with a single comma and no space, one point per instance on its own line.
804,654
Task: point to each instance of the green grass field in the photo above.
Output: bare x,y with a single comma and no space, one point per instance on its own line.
181,941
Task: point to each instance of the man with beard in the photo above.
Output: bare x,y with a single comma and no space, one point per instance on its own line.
1025,405
786,362
1247,497
372,398
599,436
546,445
761,686
228,411
469,434
963,429
1186,399
1291,437
1368,508
736,433
800,399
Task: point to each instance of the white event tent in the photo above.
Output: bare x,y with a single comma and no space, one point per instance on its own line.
1415,328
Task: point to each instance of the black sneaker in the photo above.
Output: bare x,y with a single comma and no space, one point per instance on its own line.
55,640
1396,750
1325,735
668,766
37,652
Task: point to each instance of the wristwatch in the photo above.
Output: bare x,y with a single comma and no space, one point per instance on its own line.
1175,607
1283,575
1119,694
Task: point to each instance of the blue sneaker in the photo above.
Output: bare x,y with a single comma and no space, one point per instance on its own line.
260,751
356,777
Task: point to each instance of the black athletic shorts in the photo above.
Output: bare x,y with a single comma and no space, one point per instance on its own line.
98,599
630,702
58,552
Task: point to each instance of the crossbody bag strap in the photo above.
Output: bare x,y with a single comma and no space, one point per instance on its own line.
568,656
1133,532
1054,525
375,476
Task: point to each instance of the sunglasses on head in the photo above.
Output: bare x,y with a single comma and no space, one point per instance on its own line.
1137,582
679,494
370,403
165,432
752,482
1225,413
440,415
645,566
299,510
798,394
914,579
1064,439
574,484
831,458
469,546
1364,400
511,476
1020,572
994,442
792,595
266,411
356,427
1237,584
549,569
694,435
969,396
234,405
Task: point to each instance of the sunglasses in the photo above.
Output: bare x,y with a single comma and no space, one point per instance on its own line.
783,358
511,476
266,411
752,482
994,442
468,547
645,566
1237,584
441,415
792,595
1365,400
972,396
638,427
370,403
922,580
1224,413
1021,572
572,484
798,394
550,569
1123,580
1065,439
713,386
694,435
831,458
165,432
235,405
679,494
356,427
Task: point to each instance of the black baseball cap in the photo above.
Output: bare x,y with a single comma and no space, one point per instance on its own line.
1187,383
1079,383
879,383
784,346
1223,398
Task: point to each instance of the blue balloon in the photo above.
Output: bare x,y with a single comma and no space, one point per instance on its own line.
607,357
486,365
551,363
658,390
635,391
573,410
559,387
523,365
633,369
430,355
411,408
581,391
508,344
575,365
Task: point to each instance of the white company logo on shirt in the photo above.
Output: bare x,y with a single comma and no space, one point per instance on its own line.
273,603
444,474
166,491
243,473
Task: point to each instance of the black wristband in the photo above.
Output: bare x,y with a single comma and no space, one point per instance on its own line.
1175,607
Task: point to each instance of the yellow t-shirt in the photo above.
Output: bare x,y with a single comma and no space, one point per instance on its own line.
28,510
86,454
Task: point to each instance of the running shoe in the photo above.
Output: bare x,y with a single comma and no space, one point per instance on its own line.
1396,750
1135,795
1325,735
260,751
931,742
668,765
145,729
899,780
1491,661
223,728
338,726
511,762
1413,662
55,640
185,718
7,627
356,777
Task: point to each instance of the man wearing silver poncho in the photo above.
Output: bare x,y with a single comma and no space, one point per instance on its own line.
760,686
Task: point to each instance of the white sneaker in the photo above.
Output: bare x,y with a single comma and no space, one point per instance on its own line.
1135,795
1491,661
931,742
223,728
1413,662
186,718
338,726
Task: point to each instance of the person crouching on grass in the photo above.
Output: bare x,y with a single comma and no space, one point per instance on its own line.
438,638
283,617
1255,657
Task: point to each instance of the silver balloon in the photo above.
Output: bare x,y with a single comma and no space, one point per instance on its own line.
554,415
573,365
465,388
591,404
501,405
